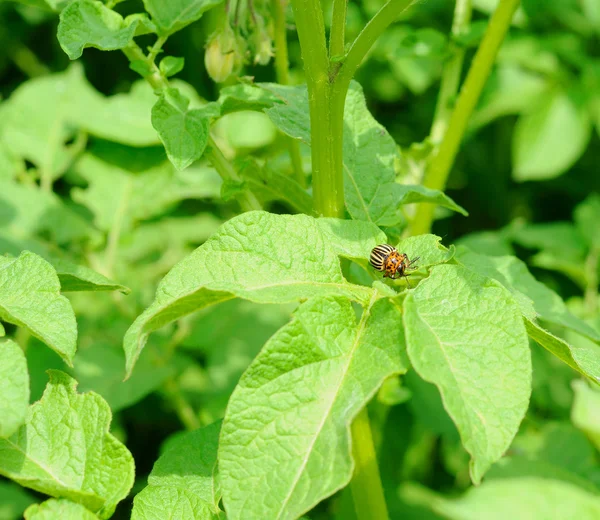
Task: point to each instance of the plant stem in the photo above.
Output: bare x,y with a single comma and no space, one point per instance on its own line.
367,37
283,78
156,48
246,199
157,81
337,35
367,491
451,73
328,180
182,407
441,163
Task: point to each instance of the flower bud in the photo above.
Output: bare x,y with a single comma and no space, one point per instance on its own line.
221,54
263,47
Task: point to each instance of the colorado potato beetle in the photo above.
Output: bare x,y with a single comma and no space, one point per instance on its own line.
394,264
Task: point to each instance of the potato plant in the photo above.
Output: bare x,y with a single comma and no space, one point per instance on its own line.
196,271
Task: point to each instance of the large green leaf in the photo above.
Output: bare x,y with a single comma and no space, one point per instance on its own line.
65,450
30,298
529,497
14,387
183,132
54,509
183,483
538,301
174,15
466,335
290,415
89,23
549,138
263,258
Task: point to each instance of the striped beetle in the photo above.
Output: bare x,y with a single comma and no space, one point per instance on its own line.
387,258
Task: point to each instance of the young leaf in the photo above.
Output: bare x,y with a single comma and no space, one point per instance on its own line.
171,65
75,277
89,23
183,132
174,15
370,187
53,509
466,335
428,248
292,410
65,450
14,387
183,483
550,138
30,298
529,497
259,257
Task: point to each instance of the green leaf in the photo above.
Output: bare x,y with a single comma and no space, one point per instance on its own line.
262,258
14,500
36,120
30,298
245,97
171,65
75,277
269,184
99,368
14,387
174,15
529,497
53,509
89,23
428,248
466,335
122,117
549,138
370,187
587,217
514,275
584,358
585,413
65,450
510,90
297,401
409,194
183,132
27,211
183,483
116,195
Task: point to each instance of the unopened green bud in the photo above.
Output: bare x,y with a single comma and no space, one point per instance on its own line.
221,54
263,47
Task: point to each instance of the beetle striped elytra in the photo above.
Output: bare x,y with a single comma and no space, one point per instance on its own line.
385,257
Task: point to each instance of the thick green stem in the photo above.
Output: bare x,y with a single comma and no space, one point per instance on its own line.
451,74
326,140
283,78
367,491
441,163
337,35
367,37
246,199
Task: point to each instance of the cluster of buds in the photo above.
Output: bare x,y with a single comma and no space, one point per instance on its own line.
227,50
